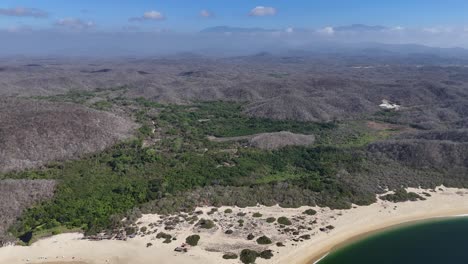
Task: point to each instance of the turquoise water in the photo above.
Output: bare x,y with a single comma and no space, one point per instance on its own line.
441,241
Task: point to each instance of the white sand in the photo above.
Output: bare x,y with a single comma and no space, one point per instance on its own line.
348,224
363,220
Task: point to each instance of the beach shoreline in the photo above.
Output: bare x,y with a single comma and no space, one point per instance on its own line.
348,226
445,208
320,256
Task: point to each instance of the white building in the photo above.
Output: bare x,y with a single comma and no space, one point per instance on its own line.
386,105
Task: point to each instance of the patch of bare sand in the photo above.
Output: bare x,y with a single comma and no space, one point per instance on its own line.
63,262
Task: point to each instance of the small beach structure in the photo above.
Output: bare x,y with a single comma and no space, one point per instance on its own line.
183,248
386,105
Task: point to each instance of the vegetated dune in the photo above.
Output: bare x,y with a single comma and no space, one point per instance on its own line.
16,196
280,139
36,132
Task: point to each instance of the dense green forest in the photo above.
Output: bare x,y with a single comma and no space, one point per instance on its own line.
171,156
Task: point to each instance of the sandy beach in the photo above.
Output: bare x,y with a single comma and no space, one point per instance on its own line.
298,247
363,221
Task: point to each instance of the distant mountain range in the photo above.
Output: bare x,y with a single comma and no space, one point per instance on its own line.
227,29
213,41
359,28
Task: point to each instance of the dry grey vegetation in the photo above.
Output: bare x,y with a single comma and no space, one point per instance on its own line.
36,132
433,96
280,139
271,141
17,195
424,153
300,88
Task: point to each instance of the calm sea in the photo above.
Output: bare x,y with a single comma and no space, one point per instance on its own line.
443,241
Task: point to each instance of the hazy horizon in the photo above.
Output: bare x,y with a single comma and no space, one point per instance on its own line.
140,28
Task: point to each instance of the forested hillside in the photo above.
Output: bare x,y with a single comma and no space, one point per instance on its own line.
225,136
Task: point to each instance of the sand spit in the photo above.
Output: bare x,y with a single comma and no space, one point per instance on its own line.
307,238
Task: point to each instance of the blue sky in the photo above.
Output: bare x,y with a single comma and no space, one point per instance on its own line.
184,15
147,27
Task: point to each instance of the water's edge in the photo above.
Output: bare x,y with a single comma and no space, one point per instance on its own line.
361,237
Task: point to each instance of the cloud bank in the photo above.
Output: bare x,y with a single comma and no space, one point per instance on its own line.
148,16
74,23
263,11
207,14
23,12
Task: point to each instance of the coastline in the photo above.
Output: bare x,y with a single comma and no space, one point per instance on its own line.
316,259
447,206
349,226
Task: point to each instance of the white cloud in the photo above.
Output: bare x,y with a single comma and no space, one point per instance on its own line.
327,31
398,28
153,15
438,30
150,15
23,12
263,11
206,13
74,23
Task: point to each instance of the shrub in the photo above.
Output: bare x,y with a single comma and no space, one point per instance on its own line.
271,220
263,240
310,212
149,244
206,224
241,214
248,256
284,221
228,211
250,236
257,214
130,230
280,244
192,219
163,235
143,229
192,240
212,211
401,195
266,254
228,232
230,256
